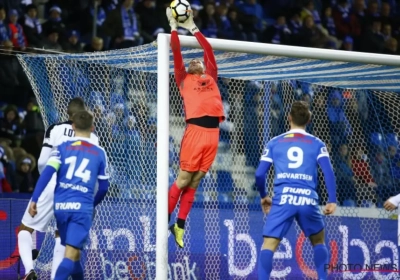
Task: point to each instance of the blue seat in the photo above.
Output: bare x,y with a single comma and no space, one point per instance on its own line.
392,139
199,197
376,139
349,203
366,204
224,181
223,197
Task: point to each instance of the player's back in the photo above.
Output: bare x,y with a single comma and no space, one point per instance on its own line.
61,132
295,157
201,96
82,162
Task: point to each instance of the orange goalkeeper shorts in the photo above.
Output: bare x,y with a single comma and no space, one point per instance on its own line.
199,147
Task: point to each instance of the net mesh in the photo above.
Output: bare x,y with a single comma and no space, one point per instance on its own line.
223,233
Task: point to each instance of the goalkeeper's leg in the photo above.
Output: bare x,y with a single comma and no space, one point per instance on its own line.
186,202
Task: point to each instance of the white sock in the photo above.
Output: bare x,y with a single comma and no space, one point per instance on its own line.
58,255
25,245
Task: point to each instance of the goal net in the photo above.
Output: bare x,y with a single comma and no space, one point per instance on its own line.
354,110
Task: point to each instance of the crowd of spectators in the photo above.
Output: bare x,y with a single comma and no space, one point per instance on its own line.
76,26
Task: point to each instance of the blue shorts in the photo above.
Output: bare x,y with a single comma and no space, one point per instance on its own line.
280,219
73,228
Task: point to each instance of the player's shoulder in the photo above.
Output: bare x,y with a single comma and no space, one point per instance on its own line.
317,140
56,127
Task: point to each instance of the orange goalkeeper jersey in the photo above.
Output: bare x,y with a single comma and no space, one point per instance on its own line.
201,97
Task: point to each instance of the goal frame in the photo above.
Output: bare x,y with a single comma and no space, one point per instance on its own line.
163,72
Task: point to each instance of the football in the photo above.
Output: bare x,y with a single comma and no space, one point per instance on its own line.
180,10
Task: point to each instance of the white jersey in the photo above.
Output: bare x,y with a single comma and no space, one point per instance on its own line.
55,135
61,132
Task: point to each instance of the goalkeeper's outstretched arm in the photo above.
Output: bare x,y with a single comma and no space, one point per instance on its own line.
179,66
209,57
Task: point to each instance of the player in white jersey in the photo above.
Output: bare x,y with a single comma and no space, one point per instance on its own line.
54,136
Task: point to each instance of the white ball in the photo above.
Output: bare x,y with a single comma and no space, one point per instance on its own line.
180,10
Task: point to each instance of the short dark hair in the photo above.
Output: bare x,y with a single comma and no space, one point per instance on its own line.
83,121
75,105
300,113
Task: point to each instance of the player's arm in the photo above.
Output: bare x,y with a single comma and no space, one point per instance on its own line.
262,171
209,57
52,166
392,203
47,147
179,65
326,167
102,178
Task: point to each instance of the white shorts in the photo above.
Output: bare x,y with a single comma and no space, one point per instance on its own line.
45,211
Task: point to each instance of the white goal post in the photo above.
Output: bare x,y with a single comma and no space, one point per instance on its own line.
163,72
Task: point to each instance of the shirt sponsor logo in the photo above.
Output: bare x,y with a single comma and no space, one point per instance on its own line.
68,206
73,187
296,191
297,200
295,176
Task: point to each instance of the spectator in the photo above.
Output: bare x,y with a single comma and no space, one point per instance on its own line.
277,111
227,127
4,185
346,22
250,122
10,125
55,24
24,178
386,17
373,39
347,44
7,159
252,18
381,175
309,10
328,23
73,45
196,14
32,27
17,33
51,42
311,35
295,25
209,26
366,187
372,12
359,11
345,176
96,45
226,30
150,21
87,17
5,31
279,33
391,47
386,31
236,26
123,26
339,125
34,129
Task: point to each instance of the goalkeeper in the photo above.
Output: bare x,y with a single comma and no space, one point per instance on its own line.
203,113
